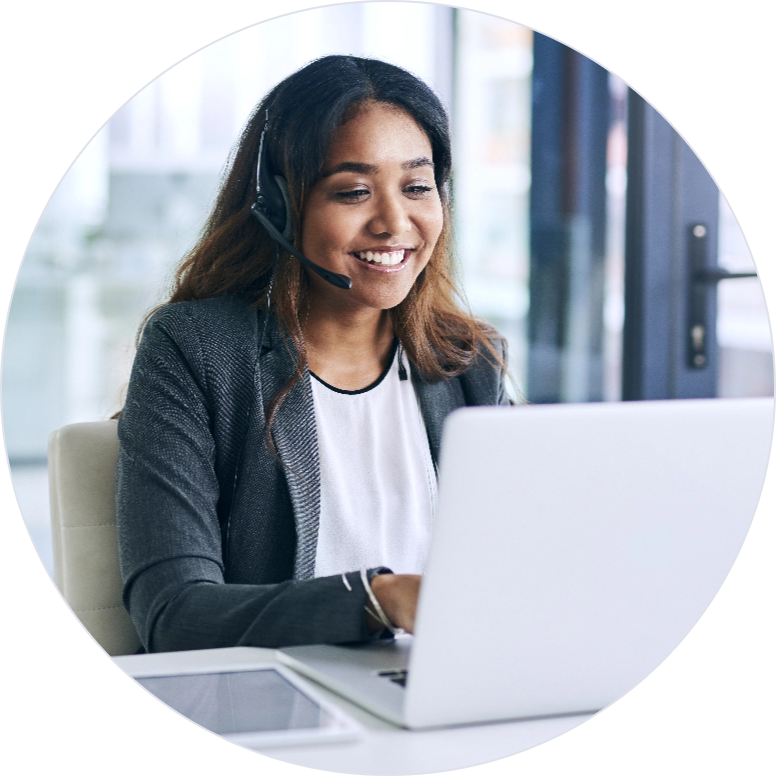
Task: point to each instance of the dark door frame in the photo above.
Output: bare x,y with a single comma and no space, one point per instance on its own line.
671,235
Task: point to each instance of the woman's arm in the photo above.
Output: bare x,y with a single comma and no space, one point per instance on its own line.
183,613
169,533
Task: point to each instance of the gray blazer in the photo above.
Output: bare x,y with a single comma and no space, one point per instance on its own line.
217,535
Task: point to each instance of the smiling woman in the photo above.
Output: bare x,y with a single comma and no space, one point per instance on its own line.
378,220
277,471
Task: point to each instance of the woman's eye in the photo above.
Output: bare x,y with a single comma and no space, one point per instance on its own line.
352,195
418,190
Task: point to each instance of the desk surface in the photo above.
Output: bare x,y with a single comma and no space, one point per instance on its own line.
384,749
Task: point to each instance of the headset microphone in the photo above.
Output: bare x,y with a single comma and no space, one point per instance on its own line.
273,211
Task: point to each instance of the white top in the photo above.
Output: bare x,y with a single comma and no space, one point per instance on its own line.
378,485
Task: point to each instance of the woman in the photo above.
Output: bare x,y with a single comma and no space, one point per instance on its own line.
281,429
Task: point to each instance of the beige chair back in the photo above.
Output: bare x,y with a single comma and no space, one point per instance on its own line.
82,476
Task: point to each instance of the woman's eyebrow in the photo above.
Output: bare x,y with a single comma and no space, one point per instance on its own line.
359,167
421,161
370,169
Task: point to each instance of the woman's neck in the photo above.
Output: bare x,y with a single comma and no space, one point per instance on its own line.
347,349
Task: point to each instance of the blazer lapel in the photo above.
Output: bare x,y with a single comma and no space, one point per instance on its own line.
437,401
294,434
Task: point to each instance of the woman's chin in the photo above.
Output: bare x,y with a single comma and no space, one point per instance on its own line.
377,300
370,290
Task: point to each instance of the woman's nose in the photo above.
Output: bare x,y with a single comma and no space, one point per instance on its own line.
390,216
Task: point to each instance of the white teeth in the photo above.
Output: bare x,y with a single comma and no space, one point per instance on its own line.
387,259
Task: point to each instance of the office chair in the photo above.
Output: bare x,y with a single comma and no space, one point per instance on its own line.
82,473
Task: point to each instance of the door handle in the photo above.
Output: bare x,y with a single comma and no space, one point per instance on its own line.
701,276
714,275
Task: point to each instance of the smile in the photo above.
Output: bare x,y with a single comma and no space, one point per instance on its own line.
387,259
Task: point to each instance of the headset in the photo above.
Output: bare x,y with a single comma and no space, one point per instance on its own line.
273,211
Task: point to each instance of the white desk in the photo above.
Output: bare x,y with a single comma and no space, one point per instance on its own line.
384,749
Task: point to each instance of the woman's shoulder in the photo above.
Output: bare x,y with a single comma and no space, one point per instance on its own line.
218,333
219,322
214,314
486,376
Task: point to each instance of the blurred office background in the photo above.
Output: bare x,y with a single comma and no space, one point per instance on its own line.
580,219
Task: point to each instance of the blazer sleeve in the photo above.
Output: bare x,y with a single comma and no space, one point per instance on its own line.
168,529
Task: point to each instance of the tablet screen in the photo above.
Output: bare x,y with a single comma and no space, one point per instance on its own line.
239,701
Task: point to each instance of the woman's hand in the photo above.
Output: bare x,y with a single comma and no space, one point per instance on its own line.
397,595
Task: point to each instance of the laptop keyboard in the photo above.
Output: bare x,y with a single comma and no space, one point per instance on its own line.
397,677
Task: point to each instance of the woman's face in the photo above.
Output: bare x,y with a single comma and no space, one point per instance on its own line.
375,213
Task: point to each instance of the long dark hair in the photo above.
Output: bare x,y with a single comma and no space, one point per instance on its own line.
235,255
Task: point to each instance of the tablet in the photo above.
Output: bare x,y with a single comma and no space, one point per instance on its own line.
257,707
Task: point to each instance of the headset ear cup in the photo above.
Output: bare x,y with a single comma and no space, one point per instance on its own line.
288,230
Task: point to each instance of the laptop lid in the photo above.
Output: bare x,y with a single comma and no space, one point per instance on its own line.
574,547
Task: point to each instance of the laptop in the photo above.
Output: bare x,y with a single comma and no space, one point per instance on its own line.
574,547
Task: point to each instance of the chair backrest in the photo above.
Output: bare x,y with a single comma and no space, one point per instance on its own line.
82,474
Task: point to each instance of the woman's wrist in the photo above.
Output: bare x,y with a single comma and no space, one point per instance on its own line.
397,595
373,624
376,617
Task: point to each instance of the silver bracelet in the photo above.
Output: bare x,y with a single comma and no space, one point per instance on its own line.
378,612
